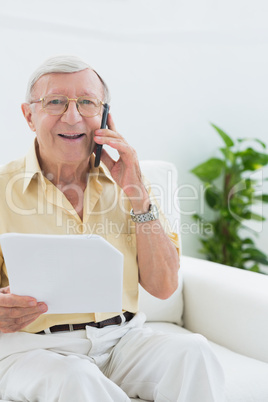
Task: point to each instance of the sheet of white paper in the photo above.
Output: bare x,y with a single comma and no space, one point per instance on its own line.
71,274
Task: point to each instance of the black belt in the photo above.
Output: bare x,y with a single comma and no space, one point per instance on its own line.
74,327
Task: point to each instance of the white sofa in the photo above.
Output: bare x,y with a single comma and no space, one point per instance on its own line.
227,305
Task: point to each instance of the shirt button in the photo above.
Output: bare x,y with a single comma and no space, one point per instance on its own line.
82,228
129,238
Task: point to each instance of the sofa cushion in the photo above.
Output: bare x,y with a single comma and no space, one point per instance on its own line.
163,179
246,378
227,305
170,310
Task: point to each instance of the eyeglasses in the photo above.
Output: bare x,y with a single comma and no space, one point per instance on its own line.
57,105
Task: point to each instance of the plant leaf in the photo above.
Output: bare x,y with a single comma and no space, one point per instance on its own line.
252,139
250,215
229,155
257,217
253,160
248,240
209,170
255,268
213,197
227,140
254,252
262,197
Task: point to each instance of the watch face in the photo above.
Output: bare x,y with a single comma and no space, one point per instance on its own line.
154,211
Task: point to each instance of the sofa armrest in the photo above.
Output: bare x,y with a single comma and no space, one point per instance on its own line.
227,305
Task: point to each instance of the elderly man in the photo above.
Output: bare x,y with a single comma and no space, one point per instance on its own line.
56,189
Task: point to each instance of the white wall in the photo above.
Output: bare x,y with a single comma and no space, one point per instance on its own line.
172,66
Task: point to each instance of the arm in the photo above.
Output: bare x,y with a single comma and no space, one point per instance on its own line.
16,312
157,257
158,260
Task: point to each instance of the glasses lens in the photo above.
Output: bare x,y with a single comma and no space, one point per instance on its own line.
88,107
55,104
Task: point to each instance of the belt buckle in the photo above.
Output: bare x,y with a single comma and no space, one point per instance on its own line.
71,327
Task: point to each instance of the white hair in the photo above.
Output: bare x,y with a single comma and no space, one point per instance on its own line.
62,64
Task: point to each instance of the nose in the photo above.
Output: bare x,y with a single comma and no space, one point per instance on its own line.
71,116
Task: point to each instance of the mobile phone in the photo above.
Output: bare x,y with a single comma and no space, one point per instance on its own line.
103,125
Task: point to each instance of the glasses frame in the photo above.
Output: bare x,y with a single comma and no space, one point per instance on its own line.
101,103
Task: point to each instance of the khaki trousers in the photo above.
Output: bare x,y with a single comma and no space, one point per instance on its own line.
114,363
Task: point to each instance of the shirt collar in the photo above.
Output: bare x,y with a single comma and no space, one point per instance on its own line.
32,167
101,171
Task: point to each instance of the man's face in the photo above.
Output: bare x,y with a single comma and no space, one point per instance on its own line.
52,131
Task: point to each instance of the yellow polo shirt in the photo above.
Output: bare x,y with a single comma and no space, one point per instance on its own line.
30,203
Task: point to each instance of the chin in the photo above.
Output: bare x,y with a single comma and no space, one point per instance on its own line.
74,157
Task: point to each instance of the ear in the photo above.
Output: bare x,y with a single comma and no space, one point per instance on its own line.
28,114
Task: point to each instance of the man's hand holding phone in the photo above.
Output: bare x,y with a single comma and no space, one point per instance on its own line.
126,170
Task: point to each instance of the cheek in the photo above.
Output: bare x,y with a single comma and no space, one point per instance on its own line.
46,124
44,133
94,123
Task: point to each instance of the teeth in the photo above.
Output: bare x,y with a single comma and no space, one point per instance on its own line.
71,136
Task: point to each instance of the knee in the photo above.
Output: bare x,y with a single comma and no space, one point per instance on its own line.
198,343
188,342
197,354
189,346
71,372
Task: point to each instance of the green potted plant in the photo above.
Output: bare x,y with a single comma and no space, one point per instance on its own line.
231,193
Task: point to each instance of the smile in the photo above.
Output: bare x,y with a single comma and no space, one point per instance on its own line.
71,136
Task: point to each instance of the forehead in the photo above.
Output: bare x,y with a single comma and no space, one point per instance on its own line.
76,84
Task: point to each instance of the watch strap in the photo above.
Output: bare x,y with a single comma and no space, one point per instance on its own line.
151,215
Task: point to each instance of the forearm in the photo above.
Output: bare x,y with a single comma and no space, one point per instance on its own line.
158,260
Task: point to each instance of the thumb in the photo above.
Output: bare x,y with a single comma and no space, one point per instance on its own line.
5,290
107,160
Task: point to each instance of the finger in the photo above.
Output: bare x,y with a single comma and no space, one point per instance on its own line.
121,147
19,324
12,323
5,290
110,122
10,300
111,131
106,133
12,313
107,160
23,321
117,143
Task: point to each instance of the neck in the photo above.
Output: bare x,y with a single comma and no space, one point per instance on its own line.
64,173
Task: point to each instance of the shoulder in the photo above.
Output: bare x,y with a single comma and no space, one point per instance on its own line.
11,169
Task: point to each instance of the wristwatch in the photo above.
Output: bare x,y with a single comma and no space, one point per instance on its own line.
151,215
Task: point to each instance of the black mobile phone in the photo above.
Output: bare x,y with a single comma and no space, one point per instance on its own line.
103,125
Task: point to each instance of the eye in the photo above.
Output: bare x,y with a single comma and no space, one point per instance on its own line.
87,102
55,102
